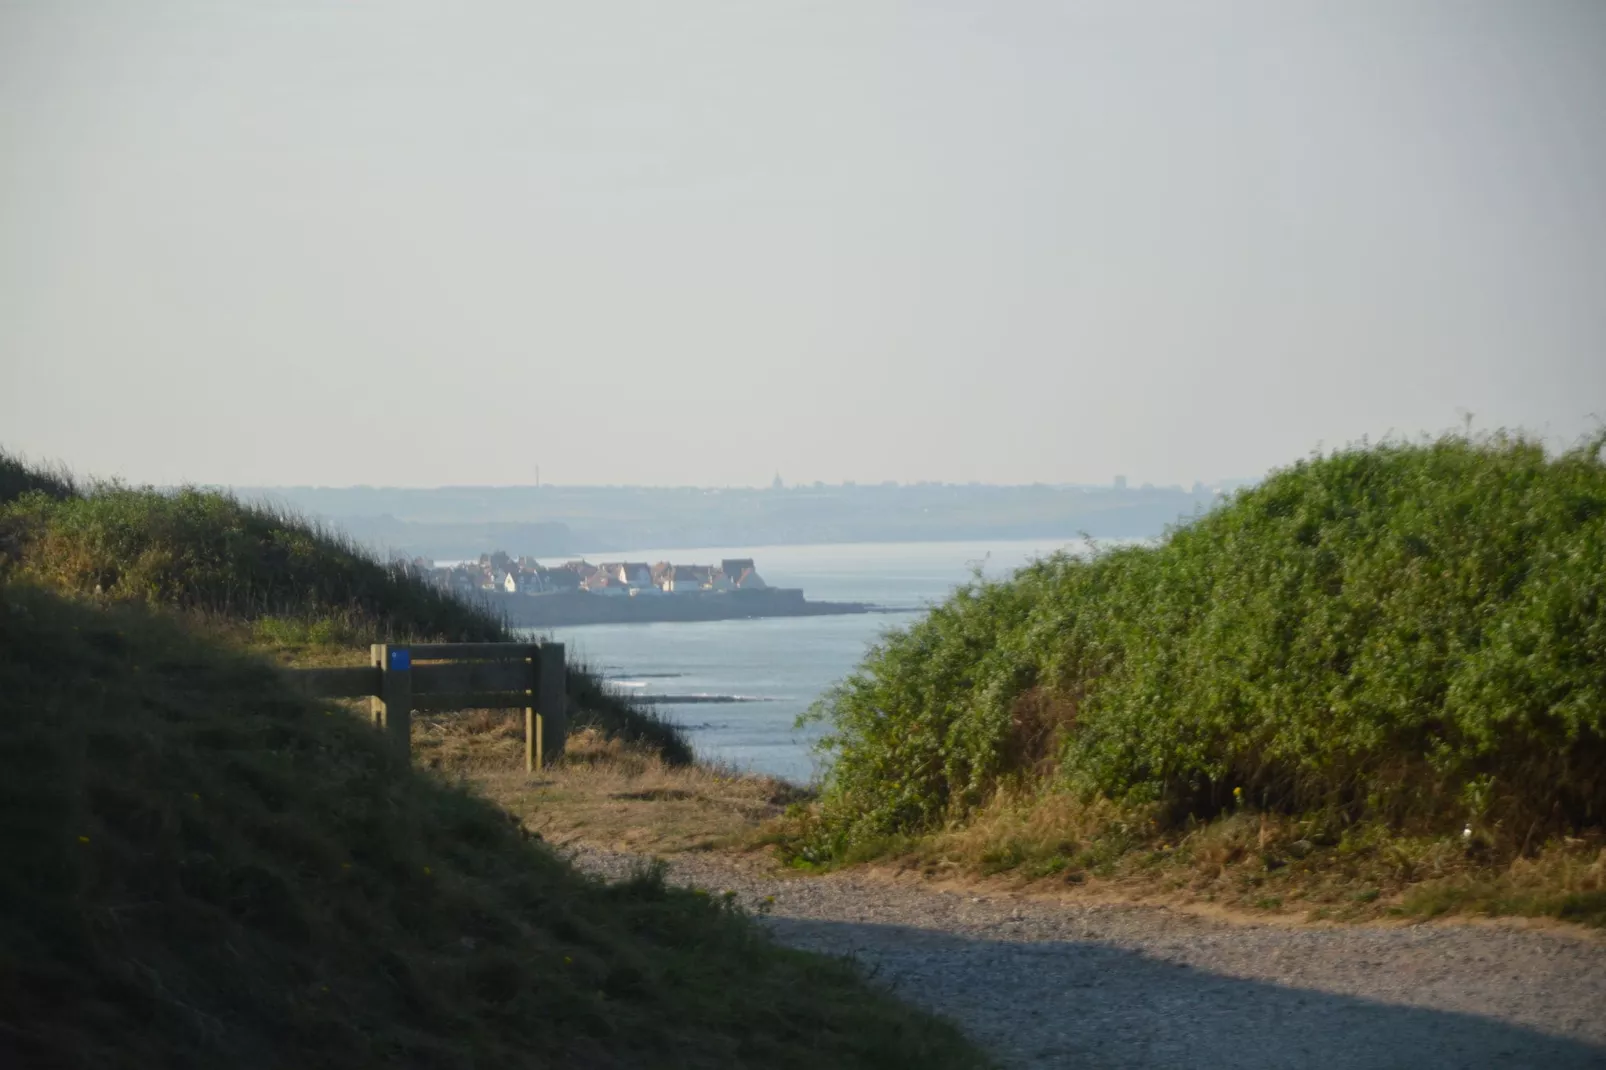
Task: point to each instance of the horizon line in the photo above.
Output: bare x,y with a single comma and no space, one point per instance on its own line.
817,485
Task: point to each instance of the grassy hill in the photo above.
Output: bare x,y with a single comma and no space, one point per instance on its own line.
207,553
204,870
269,580
1403,637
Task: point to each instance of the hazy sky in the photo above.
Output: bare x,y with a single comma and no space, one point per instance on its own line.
378,242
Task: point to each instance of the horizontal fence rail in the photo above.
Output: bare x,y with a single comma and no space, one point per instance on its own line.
470,676
431,677
476,651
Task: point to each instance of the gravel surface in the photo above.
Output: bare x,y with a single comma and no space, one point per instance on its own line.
1049,984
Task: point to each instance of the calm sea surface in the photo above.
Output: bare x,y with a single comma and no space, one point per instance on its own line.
786,662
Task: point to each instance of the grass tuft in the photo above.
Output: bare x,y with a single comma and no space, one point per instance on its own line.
18,477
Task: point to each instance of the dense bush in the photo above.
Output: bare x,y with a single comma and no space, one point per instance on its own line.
1408,633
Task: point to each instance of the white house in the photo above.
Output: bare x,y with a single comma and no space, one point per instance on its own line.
636,574
682,578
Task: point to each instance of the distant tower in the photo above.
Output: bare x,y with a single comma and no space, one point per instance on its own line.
1120,482
777,484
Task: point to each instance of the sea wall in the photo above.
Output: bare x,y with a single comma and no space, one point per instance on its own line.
563,610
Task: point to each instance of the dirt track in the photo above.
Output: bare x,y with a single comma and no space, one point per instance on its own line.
1047,984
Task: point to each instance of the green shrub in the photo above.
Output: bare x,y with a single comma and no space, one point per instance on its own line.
1409,633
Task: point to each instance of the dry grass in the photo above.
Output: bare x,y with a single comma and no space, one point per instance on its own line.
623,797
1266,864
605,793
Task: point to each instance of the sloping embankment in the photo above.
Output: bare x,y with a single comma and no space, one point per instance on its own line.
204,870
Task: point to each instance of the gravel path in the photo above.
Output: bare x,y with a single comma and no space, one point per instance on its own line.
1046,984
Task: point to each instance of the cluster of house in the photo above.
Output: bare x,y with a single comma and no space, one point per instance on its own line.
499,572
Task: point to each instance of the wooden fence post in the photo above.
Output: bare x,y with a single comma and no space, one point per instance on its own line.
553,703
376,704
394,705
532,720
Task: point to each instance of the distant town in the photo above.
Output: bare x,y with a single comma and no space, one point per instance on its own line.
530,594
500,573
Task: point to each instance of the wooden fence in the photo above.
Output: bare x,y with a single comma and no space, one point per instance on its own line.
456,676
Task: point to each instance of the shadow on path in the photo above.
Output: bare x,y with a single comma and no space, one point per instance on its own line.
1086,1004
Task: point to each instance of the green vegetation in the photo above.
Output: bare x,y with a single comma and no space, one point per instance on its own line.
205,870
1406,637
17,478
1316,864
208,553
275,581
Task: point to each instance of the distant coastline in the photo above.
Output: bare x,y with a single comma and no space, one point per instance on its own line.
531,595
559,521
569,609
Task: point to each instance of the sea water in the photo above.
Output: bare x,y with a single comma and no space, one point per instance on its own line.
782,664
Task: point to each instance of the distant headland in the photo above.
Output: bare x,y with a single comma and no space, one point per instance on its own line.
578,592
